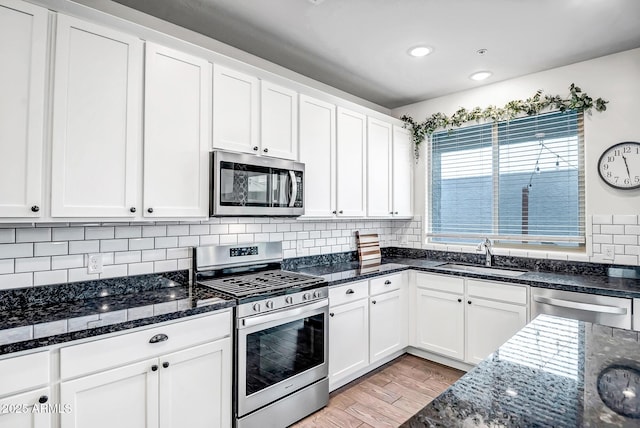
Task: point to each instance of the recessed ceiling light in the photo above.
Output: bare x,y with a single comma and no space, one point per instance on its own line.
419,51
480,75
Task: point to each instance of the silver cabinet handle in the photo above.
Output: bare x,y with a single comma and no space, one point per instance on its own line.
159,338
350,291
581,306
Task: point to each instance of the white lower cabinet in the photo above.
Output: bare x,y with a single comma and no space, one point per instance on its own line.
440,322
348,339
466,319
368,321
387,324
190,386
23,410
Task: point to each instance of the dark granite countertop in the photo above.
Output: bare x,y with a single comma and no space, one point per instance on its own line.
347,271
42,316
553,373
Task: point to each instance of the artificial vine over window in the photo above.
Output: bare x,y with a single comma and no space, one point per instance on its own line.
577,100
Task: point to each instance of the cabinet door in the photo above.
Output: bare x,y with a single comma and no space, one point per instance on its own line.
318,153
387,324
279,121
402,172
96,121
23,44
348,339
379,162
489,325
351,161
17,411
126,397
235,111
176,133
440,319
195,387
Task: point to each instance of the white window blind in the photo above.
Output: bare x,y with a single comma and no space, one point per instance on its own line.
519,180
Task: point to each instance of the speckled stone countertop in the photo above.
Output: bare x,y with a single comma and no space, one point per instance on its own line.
43,316
555,372
591,282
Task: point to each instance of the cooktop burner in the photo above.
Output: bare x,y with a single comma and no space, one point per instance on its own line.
245,285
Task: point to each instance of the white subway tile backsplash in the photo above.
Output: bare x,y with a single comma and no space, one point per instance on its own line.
6,266
268,228
632,230
127,257
625,259
81,274
277,236
84,247
114,271
178,230
99,233
612,229
602,219
165,265
67,262
237,228
261,237
33,264
33,235
209,239
153,231
16,280
184,264
67,234
167,242
625,219
152,255
199,229
50,248
7,236
219,229
254,228
141,243
625,239
11,251
228,239
128,232
246,238
50,277
178,253
140,268
188,241
110,245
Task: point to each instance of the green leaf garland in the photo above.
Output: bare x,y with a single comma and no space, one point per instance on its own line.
577,100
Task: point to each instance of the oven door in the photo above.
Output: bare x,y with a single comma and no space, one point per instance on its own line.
250,185
280,353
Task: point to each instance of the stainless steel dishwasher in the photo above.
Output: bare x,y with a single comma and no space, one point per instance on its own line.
605,310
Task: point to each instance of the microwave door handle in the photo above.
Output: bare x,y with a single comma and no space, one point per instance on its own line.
294,188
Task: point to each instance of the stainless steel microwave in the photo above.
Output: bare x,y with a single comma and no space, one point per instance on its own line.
249,185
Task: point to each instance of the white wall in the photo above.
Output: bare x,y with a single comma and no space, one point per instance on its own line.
614,78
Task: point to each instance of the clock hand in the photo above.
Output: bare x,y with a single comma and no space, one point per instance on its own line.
626,165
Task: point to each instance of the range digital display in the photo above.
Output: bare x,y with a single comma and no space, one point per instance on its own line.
243,251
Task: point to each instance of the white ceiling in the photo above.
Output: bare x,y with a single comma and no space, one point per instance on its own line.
360,46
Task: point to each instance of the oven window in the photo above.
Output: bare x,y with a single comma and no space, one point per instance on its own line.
280,352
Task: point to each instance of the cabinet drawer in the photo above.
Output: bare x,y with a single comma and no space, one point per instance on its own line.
27,371
348,293
510,293
448,284
385,283
102,354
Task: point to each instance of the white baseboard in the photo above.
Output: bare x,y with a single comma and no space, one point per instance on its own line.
446,361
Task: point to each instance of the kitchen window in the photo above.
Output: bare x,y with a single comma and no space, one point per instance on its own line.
518,181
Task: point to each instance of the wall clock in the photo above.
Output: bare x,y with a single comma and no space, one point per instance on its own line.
619,165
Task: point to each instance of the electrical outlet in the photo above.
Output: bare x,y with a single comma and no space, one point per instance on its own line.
94,263
608,251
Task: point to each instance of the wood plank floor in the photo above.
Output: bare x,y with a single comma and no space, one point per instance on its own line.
386,397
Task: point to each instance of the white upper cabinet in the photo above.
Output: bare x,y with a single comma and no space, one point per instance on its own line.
379,163
279,121
402,172
96,121
351,163
318,153
176,133
23,44
235,111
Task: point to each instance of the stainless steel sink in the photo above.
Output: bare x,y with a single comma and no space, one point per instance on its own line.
483,269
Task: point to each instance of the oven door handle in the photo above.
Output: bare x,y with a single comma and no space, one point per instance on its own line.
294,189
261,319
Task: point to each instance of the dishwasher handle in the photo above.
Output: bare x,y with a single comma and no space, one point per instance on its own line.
581,306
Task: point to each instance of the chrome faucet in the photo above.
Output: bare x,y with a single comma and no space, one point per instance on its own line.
486,245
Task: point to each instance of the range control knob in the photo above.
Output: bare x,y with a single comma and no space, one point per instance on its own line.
288,300
256,307
317,294
269,304
306,296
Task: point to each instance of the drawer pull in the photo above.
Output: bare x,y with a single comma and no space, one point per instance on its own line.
43,399
165,364
387,282
350,291
373,301
459,300
159,338
154,368
331,314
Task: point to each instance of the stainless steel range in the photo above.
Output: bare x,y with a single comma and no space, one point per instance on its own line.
281,335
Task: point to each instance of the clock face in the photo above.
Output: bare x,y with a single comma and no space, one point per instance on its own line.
619,165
